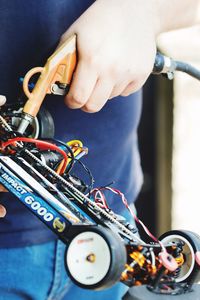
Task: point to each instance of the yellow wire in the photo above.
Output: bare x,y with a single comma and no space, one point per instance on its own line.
70,143
75,143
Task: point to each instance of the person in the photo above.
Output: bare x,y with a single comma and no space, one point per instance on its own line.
116,44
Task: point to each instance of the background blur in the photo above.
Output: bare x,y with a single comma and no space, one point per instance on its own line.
170,141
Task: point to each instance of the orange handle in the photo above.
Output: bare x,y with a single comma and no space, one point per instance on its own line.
58,68
27,79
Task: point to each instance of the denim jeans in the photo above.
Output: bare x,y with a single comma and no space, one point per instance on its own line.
38,273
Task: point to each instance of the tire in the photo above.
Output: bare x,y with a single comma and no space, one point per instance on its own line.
46,124
41,126
190,270
95,258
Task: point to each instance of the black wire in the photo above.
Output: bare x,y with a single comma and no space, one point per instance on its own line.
160,66
187,68
107,185
70,151
92,181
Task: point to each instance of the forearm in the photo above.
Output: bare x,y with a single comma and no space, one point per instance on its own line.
175,14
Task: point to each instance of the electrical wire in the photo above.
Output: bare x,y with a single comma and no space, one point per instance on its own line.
70,161
76,150
92,181
187,68
43,145
166,65
99,198
119,193
77,147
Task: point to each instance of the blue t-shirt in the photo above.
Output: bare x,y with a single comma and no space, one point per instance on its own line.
29,33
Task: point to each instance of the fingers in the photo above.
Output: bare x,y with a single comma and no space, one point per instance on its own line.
84,81
2,211
92,94
133,86
99,96
2,100
87,91
118,89
3,189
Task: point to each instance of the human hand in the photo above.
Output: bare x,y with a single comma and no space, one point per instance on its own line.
2,211
2,189
116,51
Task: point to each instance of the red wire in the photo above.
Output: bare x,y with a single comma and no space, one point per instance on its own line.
118,192
99,201
43,145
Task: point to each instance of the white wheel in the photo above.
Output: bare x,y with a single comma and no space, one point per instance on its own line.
95,258
88,258
189,271
189,256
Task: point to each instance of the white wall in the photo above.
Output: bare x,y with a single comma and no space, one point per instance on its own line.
185,45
